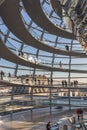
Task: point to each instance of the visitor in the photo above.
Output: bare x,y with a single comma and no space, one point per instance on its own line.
2,74
51,81
67,48
78,113
81,114
60,64
74,83
9,76
48,126
35,81
21,53
48,81
71,84
65,83
62,83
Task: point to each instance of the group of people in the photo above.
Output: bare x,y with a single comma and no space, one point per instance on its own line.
50,81
2,75
73,84
64,83
79,114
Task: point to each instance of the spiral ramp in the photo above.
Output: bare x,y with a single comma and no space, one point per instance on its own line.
19,30
56,7
36,28
18,27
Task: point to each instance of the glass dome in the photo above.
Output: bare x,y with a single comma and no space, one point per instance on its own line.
37,40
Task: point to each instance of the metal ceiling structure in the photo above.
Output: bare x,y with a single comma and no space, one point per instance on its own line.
38,29
38,43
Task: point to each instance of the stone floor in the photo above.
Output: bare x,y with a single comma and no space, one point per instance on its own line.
37,123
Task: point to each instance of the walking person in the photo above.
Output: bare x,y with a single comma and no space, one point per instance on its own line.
2,74
48,126
74,83
65,83
48,81
67,48
62,83
9,76
78,113
81,114
60,64
51,81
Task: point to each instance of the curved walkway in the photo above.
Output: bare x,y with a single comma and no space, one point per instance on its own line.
22,33
56,7
36,13
10,56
